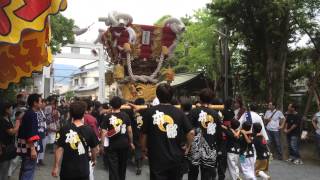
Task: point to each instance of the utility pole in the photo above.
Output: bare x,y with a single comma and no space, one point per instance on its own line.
224,45
102,81
226,66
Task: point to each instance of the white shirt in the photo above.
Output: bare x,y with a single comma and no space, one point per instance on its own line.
274,124
155,102
317,116
255,119
236,113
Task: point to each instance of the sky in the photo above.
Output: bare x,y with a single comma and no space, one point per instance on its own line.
86,12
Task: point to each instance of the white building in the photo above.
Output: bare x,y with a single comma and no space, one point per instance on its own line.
88,80
43,82
85,82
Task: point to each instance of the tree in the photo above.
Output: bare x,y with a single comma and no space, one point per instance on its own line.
70,95
306,16
266,29
62,33
197,50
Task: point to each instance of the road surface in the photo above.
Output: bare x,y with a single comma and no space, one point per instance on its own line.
279,170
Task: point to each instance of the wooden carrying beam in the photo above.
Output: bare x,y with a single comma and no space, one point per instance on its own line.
139,107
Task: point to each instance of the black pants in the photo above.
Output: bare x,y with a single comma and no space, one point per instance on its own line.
207,173
168,174
117,163
138,156
78,178
222,161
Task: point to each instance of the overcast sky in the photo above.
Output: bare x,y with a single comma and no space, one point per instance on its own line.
86,12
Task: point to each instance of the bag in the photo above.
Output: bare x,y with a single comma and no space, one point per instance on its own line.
7,152
248,117
304,135
266,123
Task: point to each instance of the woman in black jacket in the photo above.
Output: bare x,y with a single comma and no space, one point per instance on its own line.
7,138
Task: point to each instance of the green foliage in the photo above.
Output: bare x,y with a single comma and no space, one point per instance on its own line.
265,62
9,94
69,95
62,33
266,31
197,49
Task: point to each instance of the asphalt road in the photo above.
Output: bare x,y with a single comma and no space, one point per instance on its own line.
279,170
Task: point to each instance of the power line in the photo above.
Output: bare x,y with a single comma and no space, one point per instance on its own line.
64,69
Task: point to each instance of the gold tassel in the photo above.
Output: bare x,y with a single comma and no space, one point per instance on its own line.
118,72
170,74
109,78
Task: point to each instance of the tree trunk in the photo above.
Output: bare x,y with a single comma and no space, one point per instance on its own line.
311,91
282,79
283,54
269,71
318,96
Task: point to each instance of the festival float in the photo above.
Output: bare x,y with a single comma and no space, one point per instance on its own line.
138,53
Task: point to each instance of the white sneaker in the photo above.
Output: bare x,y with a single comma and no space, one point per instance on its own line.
264,175
298,162
290,160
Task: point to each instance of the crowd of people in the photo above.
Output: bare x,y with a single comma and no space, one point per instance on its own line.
176,137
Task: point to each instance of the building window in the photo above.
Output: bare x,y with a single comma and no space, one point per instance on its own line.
75,50
76,82
83,81
96,79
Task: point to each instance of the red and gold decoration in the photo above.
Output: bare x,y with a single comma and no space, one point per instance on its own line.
25,37
151,42
140,49
118,72
132,91
109,78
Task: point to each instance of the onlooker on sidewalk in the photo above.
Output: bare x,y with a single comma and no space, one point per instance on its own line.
28,137
292,129
7,139
19,109
75,143
42,125
238,108
64,113
274,120
52,116
316,125
20,104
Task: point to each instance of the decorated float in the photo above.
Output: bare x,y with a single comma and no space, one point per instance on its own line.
25,37
138,53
